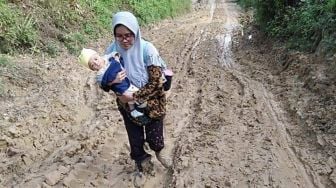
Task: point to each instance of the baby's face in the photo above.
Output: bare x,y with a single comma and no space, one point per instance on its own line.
96,62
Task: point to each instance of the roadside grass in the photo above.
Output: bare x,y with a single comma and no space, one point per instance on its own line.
41,26
5,64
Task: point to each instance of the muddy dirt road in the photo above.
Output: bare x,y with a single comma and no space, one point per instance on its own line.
230,120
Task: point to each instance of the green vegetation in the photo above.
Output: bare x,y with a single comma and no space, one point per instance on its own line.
46,26
4,61
153,10
304,25
4,64
17,30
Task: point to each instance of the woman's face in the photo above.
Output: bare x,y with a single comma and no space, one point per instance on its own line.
124,36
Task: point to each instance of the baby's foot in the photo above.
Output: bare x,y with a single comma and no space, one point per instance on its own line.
142,105
136,113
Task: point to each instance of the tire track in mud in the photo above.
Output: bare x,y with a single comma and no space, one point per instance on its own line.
185,90
274,124
291,133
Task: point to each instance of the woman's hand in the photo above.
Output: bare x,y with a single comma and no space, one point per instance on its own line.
119,78
126,98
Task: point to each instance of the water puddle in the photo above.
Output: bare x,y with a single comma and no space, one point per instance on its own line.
212,6
225,52
225,40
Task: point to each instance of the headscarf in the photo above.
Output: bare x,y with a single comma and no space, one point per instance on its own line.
133,57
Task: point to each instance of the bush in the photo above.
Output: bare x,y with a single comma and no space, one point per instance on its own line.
74,41
17,31
149,11
102,13
4,64
246,3
304,25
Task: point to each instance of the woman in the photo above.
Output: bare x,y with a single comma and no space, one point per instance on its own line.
143,66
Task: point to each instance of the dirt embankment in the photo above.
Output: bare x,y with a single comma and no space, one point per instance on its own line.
304,85
241,113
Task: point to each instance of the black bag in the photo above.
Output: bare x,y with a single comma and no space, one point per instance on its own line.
169,76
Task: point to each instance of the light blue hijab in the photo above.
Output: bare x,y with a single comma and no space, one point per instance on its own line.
133,57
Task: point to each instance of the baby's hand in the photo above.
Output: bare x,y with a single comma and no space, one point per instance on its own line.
120,76
116,56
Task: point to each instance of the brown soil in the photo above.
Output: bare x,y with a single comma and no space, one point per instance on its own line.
241,113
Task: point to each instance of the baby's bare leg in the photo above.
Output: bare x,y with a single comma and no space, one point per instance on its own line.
131,105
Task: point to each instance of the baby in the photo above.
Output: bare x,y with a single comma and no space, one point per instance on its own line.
107,68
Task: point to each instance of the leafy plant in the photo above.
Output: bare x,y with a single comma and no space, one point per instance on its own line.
52,49
74,41
4,61
331,5
26,32
304,25
17,31
246,3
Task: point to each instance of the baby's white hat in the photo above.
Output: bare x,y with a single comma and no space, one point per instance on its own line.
85,56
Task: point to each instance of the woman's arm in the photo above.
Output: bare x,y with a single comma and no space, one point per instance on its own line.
153,86
155,64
